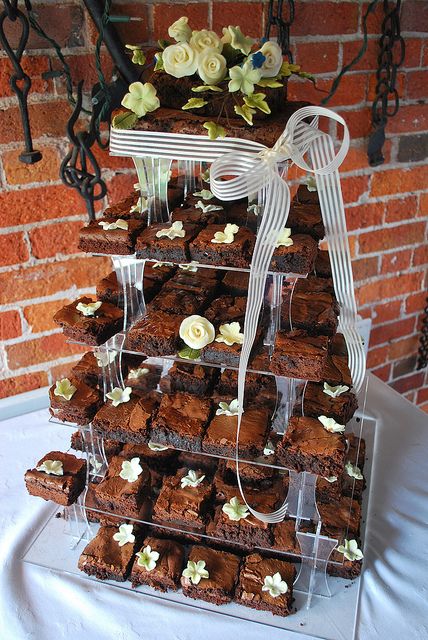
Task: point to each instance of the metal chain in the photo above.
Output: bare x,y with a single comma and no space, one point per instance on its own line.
391,56
276,19
423,341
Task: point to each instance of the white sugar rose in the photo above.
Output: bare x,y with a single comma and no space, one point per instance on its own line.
180,60
197,332
273,54
205,39
212,66
180,30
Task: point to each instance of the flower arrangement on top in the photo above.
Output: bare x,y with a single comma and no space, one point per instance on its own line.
209,75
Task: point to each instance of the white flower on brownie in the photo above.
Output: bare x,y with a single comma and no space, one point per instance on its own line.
174,231
94,464
244,78
51,467
195,571
331,479
334,392
350,550
255,209
227,236
197,332
158,265
311,183
225,409
189,267
204,39
273,59
205,194
180,30
331,425
64,389
269,449
118,395
116,224
141,98
131,469
147,558
236,39
353,471
135,374
105,358
141,206
88,309
154,446
124,535
180,60
212,67
275,585
235,510
284,238
206,208
191,480
230,333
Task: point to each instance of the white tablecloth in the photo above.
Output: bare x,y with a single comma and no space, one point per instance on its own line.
39,605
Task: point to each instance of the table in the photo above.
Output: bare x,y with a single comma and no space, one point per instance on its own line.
36,604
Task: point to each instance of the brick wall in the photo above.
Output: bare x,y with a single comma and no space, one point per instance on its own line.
387,207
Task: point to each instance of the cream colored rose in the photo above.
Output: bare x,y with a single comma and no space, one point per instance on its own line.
180,60
205,39
212,66
197,332
180,30
273,54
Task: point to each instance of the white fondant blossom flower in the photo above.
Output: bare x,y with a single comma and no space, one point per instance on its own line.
331,479
147,558
94,463
64,389
104,358
51,467
135,374
191,480
311,183
205,40
236,39
334,392
235,510
141,206
197,332
273,59
118,395
255,209
284,238
131,469
158,265
230,333
141,98
244,78
212,67
205,194
205,176
174,231
225,409
191,267
331,425
275,585
269,449
180,60
353,471
154,446
350,550
124,535
206,208
116,224
195,571
180,30
88,309
227,236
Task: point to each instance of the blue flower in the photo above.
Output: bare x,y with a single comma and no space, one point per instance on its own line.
258,59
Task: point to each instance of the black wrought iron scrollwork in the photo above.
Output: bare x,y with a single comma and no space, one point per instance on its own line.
19,80
283,23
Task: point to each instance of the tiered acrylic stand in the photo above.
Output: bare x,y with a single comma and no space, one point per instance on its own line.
325,606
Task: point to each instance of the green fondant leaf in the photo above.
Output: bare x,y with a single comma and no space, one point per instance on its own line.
124,120
214,130
245,112
206,87
189,354
257,101
194,103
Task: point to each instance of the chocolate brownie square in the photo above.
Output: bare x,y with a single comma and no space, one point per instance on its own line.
168,565
198,461
329,489
60,477
129,421
316,402
190,213
102,236
252,474
78,443
299,355
191,378
322,266
252,579
228,355
220,437
154,247
355,456
222,574
236,283
181,421
158,457
305,196
143,378
226,309
284,537
237,253
80,408
257,385
122,209
313,284
336,371
340,566
307,446
157,334
109,290
158,272
298,258
87,370
172,300
343,515
104,558
94,329
124,497
316,313
306,218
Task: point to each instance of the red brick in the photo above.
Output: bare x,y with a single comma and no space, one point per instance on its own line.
404,367
394,181
383,372
365,215
120,186
30,352
106,161
39,316
413,53
424,407
33,66
10,325
386,311
369,60
424,56
42,203
416,302
165,14
356,158
377,356
249,16
420,255
325,18
358,121
365,268
408,383
317,57
372,82
53,239
13,249
417,84
423,205
47,119
47,279
64,22
21,384
45,170
389,288
390,237
351,90
401,209
409,118
134,32
414,16
353,188
395,262
410,396
386,332
84,68
404,347
422,395
301,90
62,370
